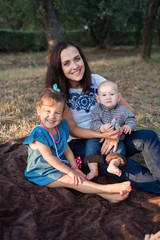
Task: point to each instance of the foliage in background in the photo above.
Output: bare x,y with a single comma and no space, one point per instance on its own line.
107,21
36,41
20,15
103,18
15,41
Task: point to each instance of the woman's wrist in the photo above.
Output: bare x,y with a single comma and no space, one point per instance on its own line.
102,129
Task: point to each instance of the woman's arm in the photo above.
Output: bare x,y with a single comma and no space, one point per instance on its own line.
126,104
78,132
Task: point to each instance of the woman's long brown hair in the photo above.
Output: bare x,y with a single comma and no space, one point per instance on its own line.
55,73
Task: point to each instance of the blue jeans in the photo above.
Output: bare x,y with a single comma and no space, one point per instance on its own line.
144,141
93,143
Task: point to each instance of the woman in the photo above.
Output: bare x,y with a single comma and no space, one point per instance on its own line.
69,69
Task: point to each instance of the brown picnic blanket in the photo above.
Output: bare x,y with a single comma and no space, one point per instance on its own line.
30,212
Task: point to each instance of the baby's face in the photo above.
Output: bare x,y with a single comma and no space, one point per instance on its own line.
108,96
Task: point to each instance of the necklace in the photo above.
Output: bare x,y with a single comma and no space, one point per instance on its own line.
52,134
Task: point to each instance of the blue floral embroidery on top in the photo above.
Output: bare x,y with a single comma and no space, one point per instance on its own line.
82,101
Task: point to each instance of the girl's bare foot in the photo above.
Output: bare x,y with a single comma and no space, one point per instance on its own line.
115,198
121,188
112,168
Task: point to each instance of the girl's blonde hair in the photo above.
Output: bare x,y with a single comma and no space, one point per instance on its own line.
52,97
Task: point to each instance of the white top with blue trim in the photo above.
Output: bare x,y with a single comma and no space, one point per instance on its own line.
81,104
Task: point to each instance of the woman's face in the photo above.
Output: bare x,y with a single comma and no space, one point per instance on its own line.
72,66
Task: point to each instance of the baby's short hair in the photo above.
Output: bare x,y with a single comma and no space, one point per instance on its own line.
108,83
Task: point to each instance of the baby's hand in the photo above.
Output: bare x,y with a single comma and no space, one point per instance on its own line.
76,176
127,129
106,127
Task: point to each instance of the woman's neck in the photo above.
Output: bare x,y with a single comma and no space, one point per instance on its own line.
75,84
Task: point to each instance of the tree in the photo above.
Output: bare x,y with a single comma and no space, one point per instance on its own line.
54,32
151,13
135,21
19,15
103,18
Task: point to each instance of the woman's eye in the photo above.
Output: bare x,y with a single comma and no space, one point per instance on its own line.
66,63
77,58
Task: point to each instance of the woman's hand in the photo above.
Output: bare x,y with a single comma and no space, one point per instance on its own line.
108,144
110,133
111,142
77,176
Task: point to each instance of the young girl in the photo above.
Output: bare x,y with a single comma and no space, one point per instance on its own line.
51,162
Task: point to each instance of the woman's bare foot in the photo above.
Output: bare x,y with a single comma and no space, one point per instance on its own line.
113,167
121,188
114,198
92,174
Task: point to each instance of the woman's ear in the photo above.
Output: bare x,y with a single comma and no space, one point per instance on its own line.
97,98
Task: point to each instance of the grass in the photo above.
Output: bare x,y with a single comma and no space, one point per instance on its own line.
22,79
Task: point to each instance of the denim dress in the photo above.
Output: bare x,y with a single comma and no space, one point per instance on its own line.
38,170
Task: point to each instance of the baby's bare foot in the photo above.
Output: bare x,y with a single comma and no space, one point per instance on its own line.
92,174
113,168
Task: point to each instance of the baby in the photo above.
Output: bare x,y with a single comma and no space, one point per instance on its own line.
105,115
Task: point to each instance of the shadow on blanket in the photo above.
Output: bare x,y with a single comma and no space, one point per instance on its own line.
31,212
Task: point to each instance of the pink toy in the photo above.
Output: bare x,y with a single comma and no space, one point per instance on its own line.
115,123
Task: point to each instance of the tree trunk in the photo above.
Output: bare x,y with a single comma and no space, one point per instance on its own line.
148,27
54,32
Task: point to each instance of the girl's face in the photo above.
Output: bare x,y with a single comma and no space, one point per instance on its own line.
72,66
50,115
